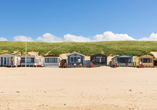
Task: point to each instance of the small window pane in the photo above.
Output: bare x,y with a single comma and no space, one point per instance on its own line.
71,59
146,60
55,59
75,59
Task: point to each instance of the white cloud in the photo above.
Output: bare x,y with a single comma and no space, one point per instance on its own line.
3,39
69,37
110,36
47,37
152,37
23,38
106,36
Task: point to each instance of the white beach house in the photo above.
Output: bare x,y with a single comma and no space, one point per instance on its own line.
51,61
32,60
6,58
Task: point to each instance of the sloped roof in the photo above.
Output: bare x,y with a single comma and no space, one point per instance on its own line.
98,54
9,53
75,53
147,56
51,56
124,56
28,55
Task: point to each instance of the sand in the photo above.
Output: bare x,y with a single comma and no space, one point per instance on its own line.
154,53
102,88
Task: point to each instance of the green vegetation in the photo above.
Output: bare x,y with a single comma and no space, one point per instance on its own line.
135,48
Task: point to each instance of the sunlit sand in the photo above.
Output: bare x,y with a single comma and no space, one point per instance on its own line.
101,88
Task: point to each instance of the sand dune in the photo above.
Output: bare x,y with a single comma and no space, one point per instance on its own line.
102,88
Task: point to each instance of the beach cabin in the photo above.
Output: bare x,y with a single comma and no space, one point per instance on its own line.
31,60
62,62
122,60
51,61
136,62
75,58
6,58
147,60
99,58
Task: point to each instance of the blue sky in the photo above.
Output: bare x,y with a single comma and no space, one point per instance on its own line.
78,20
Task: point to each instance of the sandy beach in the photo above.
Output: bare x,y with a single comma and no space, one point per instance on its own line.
102,88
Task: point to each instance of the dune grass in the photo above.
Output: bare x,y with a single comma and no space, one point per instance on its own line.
135,48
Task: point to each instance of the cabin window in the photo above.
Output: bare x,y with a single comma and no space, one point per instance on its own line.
46,60
28,60
103,59
50,60
151,60
55,59
129,60
71,59
4,60
75,59
98,59
79,60
124,60
146,60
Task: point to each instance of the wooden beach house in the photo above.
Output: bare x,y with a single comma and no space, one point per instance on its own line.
147,60
122,60
7,58
99,59
31,60
51,61
75,58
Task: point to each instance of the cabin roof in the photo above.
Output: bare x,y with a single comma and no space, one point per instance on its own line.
51,56
121,56
30,56
99,54
9,53
146,56
75,53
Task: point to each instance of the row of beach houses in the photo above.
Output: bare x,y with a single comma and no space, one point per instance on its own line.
75,59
